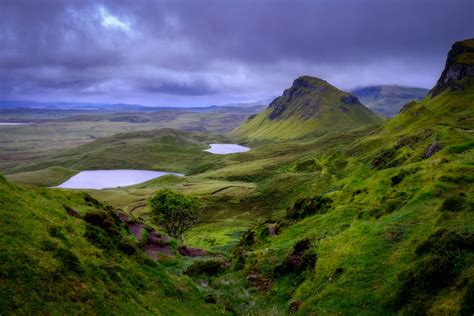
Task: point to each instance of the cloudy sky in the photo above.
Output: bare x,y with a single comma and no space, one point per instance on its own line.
202,52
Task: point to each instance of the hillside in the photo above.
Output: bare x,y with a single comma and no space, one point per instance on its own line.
393,230
310,107
66,253
387,100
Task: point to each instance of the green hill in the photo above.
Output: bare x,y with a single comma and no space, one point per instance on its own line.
387,100
392,231
310,107
66,253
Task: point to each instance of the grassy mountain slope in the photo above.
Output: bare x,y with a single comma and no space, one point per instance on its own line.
310,107
54,262
393,232
387,100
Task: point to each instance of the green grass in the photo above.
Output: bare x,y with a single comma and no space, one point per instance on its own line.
396,239
49,267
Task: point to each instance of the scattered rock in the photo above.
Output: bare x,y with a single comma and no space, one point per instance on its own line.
72,212
349,99
431,150
335,274
136,229
343,109
295,306
394,236
271,230
191,252
258,281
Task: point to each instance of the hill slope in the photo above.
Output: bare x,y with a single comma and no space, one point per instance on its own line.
392,231
387,100
66,253
310,107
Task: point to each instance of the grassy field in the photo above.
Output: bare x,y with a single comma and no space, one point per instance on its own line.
60,130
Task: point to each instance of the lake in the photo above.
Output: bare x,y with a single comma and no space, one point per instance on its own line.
14,124
103,179
223,149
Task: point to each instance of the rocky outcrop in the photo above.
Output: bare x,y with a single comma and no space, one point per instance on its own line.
349,99
457,68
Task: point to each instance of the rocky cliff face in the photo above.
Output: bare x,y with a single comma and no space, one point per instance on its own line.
309,107
459,68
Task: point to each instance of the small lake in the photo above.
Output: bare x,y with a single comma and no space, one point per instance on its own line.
223,149
104,179
14,124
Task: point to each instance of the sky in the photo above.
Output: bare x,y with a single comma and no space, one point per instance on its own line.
204,52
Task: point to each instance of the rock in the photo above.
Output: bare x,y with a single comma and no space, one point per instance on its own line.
431,150
191,252
349,99
343,109
295,306
454,70
271,230
407,106
72,212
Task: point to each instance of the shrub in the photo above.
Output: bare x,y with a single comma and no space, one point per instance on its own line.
105,220
467,305
69,260
302,258
441,260
207,267
308,206
174,211
98,237
453,203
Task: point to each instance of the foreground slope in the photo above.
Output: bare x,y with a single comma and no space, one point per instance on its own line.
387,100
64,252
310,107
393,232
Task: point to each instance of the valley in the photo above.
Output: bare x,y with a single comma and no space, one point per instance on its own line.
321,207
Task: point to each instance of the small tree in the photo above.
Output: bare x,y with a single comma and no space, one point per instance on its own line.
174,211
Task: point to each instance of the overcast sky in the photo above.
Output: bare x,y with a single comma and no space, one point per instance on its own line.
202,52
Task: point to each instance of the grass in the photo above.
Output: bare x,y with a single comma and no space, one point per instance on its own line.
48,266
396,237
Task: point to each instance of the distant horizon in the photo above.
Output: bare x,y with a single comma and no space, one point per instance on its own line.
236,104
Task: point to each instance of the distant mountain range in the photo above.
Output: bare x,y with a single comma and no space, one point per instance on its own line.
387,100
251,107
310,107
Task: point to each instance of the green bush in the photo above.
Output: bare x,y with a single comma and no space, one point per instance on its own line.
301,258
441,259
308,206
453,203
69,260
207,267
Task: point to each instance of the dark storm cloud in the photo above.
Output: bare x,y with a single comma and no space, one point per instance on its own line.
202,52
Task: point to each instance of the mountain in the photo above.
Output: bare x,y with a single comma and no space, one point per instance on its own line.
387,100
310,107
390,229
